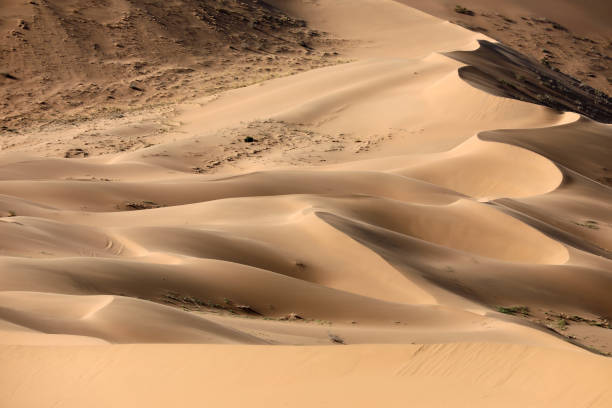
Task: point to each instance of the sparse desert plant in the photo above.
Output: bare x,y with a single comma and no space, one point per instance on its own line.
249,139
462,10
562,324
142,205
564,319
514,310
12,213
590,224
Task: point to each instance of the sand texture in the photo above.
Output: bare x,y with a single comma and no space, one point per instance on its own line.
388,225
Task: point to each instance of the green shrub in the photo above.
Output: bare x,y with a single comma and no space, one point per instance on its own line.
514,310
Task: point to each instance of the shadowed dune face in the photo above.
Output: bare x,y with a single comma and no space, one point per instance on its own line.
498,69
375,202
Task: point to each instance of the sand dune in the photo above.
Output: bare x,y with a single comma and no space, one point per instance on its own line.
396,229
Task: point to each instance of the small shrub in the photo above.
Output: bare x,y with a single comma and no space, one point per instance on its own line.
249,139
562,324
514,310
588,224
462,10
142,205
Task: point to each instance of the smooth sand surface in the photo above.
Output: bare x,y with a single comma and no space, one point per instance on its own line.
356,251
458,375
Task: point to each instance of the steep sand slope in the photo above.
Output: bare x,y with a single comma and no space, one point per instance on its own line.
369,203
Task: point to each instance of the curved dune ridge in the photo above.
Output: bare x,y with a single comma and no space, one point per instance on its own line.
380,201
